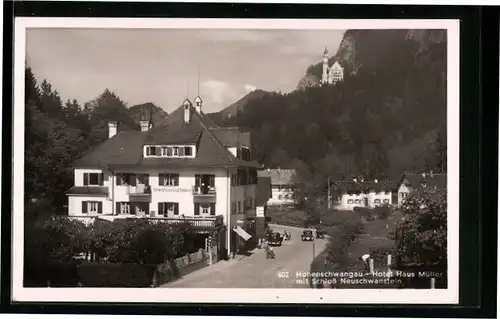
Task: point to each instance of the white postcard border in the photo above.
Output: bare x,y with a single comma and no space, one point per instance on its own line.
191,295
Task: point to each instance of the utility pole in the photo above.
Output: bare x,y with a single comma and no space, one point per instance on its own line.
328,195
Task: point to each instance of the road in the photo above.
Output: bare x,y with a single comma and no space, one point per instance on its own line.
255,271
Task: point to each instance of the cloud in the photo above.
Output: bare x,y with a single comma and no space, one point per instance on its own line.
249,88
217,93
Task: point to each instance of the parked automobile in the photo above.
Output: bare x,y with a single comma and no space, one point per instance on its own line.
307,235
320,233
274,238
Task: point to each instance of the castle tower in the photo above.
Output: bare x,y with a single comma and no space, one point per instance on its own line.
324,78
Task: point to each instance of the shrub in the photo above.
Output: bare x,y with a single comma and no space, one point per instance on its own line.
116,275
421,234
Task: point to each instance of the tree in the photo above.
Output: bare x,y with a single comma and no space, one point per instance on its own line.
422,232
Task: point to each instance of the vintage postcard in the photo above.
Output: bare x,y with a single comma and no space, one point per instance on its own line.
236,160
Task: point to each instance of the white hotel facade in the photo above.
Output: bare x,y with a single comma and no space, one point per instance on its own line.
187,168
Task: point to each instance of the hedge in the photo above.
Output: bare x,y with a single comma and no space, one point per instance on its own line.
116,275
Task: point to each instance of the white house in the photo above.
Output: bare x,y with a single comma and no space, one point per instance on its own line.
417,182
187,168
282,185
361,193
331,74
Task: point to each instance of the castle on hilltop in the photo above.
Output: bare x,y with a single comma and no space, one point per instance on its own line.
331,74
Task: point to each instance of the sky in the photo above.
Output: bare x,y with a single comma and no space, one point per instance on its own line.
163,66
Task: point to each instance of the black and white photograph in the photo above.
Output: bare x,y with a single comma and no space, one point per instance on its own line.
311,161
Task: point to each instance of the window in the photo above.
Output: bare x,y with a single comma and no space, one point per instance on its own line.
239,207
234,180
153,151
386,201
204,209
91,207
93,179
233,208
280,197
126,179
349,201
168,209
124,208
143,179
169,179
357,201
188,151
403,195
176,151
377,201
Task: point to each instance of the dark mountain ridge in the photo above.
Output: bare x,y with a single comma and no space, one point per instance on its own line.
386,117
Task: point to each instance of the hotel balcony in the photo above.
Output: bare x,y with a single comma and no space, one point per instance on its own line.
139,193
202,224
204,191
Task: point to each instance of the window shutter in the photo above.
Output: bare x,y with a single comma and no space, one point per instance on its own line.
86,179
176,208
176,180
117,212
101,179
196,209
197,180
133,180
99,207
157,150
148,151
212,181
84,208
161,179
161,210
118,178
146,179
212,209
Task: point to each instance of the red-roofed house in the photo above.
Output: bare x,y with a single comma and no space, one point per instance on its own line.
185,168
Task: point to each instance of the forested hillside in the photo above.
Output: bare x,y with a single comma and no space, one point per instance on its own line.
388,116
59,132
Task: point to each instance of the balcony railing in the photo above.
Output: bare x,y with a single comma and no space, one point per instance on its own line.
203,222
139,190
204,190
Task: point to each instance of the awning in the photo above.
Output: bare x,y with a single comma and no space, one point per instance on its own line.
243,234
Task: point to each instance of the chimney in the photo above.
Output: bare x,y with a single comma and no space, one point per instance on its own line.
187,111
375,180
144,125
197,103
423,174
112,128
432,174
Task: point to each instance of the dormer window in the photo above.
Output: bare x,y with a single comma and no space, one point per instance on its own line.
170,151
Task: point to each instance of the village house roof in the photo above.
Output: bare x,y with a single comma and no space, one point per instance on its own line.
83,190
263,192
365,186
279,176
125,149
425,180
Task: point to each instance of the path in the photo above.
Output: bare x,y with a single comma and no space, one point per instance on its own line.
255,271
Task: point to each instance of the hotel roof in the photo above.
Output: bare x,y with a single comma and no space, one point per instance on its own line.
125,149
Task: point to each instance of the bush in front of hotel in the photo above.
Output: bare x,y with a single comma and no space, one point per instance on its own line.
54,248
116,275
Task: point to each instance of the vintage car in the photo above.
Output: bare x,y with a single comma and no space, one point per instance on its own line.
274,238
320,233
307,235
